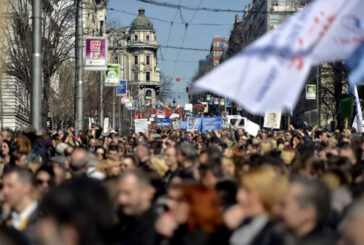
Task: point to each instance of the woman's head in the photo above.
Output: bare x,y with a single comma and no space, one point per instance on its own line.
199,208
260,190
23,144
5,148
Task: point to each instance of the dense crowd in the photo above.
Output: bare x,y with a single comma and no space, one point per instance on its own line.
170,186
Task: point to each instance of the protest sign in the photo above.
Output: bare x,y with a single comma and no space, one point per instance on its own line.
141,125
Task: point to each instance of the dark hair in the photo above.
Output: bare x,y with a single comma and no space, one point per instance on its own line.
15,156
316,194
134,159
84,203
24,175
188,151
113,148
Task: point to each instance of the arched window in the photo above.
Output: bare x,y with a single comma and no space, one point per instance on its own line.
148,93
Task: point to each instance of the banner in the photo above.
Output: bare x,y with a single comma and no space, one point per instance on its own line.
325,30
121,89
176,124
194,124
125,97
211,123
141,125
183,125
96,54
272,120
165,122
112,75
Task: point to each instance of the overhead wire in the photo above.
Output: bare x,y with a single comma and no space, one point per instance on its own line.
168,21
184,34
179,6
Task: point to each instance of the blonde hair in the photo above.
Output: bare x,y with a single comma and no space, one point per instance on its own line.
105,165
267,184
159,165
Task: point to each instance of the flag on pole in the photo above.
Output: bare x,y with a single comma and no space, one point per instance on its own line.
356,66
358,113
269,74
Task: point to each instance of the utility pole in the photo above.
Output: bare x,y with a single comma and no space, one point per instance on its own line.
79,67
101,92
37,66
114,88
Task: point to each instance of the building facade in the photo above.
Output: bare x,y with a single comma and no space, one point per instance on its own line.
135,50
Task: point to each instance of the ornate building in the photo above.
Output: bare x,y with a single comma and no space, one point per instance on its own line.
143,74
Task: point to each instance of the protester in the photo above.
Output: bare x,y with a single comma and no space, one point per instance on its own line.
17,191
169,186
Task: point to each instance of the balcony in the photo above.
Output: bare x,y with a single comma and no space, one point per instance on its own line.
143,44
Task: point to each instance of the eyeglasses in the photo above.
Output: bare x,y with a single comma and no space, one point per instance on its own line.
41,182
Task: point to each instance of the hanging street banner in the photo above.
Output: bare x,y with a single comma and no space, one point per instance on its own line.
310,92
96,54
324,31
125,97
141,125
211,124
165,122
121,89
112,75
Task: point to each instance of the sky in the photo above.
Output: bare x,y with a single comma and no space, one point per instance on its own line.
195,36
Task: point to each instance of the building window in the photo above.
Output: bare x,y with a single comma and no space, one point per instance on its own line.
147,76
148,93
147,60
135,59
136,78
136,37
147,37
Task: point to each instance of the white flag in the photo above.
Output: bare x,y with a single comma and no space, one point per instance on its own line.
269,74
357,124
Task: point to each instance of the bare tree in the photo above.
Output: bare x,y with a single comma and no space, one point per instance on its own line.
57,42
165,89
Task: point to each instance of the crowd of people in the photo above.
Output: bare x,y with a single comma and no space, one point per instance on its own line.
175,187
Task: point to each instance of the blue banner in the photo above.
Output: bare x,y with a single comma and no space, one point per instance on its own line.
122,88
211,123
164,122
194,123
183,125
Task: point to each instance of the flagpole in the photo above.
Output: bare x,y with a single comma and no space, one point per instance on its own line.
318,96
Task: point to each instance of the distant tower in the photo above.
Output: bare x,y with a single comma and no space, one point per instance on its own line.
144,74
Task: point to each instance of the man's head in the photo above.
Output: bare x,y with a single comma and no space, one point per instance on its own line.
135,192
129,162
92,142
7,134
79,211
350,229
113,152
305,205
186,155
17,188
142,152
170,156
79,161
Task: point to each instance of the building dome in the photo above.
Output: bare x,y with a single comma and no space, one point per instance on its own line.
141,22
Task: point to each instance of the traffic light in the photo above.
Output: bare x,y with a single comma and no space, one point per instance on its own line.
187,89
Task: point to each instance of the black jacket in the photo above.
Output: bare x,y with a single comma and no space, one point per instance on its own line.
138,230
